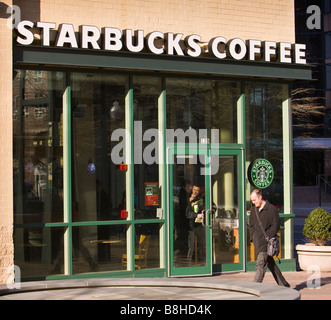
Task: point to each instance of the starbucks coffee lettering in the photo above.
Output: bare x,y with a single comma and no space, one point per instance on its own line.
156,42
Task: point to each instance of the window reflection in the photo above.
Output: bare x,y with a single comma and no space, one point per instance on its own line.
189,232
147,246
264,133
203,104
226,205
98,109
38,146
99,248
146,92
39,251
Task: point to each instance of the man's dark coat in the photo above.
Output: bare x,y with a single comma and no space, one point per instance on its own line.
269,218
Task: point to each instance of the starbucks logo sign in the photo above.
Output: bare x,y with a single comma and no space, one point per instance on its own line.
261,173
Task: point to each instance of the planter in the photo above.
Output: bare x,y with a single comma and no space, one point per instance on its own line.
311,255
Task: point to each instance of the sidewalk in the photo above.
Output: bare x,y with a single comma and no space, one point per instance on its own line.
237,286
142,289
298,281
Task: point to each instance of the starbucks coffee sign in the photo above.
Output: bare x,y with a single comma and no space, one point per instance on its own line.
156,42
261,173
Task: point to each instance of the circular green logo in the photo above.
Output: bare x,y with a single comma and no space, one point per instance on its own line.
261,173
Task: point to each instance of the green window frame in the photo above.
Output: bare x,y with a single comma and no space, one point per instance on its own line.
68,224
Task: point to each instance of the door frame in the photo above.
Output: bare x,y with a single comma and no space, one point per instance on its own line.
207,151
236,267
185,149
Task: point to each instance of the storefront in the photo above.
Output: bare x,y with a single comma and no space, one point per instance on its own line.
110,136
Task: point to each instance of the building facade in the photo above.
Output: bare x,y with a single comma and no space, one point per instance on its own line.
114,110
311,135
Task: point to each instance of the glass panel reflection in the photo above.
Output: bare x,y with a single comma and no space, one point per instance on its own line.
146,92
147,246
39,251
38,146
204,104
226,217
98,248
98,109
264,134
189,232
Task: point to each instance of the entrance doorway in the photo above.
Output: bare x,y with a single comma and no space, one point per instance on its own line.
207,182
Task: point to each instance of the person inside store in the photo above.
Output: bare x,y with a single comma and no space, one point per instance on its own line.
195,216
267,213
181,223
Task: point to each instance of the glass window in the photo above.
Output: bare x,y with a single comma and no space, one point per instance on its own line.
225,197
38,146
264,134
328,77
327,6
147,191
203,104
328,45
98,109
99,248
189,238
39,251
225,101
147,246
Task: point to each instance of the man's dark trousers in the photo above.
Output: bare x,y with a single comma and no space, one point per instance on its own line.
263,261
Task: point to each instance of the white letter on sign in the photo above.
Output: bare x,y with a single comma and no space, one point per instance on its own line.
233,49
112,39
21,28
150,42
66,35
254,48
173,44
285,52
213,47
139,35
269,50
300,53
46,26
90,34
192,43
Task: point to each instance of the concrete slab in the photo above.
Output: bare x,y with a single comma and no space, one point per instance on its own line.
148,289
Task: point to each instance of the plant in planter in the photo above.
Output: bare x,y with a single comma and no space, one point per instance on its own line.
317,230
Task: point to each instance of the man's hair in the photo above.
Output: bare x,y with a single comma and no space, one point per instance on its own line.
258,192
196,184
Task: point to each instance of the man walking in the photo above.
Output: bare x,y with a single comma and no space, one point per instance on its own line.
269,218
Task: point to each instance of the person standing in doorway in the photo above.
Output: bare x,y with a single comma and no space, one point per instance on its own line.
269,217
181,223
195,216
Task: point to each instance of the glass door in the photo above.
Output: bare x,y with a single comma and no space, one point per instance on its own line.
213,193
189,214
228,219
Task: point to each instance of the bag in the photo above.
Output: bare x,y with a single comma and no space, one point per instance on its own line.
273,243
273,247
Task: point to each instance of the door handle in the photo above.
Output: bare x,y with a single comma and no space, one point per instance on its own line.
208,216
